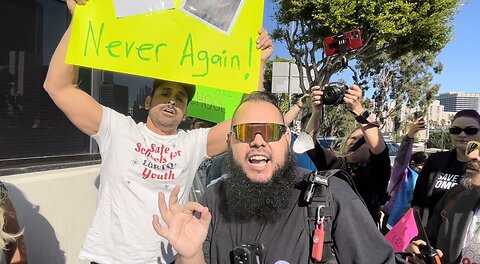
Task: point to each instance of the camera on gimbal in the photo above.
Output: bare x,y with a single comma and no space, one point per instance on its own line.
248,254
333,93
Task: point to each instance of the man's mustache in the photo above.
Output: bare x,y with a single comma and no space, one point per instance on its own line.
473,165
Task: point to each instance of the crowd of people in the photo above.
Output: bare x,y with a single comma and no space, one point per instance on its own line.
255,186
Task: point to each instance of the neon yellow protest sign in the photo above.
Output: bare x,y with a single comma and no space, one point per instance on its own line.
169,44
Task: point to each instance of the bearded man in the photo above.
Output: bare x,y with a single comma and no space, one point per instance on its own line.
454,226
255,207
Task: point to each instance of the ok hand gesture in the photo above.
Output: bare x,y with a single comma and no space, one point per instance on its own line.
184,231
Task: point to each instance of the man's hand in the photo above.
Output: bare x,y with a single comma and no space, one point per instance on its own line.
302,101
414,248
184,231
265,44
71,4
353,99
418,125
317,96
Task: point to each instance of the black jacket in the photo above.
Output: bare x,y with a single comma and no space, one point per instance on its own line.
356,238
448,233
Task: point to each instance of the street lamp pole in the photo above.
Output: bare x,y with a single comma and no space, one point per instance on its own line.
289,89
290,69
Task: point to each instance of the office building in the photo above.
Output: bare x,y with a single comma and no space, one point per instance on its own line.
456,101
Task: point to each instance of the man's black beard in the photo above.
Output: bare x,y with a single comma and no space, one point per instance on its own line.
264,201
473,165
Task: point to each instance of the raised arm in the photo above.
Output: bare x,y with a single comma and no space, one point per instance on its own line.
373,136
61,84
217,138
265,44
314,121
404,154
184,231
295,110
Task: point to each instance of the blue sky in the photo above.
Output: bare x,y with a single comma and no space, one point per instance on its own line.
460,57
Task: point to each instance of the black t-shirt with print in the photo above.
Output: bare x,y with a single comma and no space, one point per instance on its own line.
441,172
449,177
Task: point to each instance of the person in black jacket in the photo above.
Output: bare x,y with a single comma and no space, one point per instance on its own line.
365,155
444,170
257,202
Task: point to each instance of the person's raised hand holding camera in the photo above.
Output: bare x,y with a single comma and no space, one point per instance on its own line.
353,99
373,136
316,95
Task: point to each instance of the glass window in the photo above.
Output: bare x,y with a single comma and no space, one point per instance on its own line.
30,123
126,94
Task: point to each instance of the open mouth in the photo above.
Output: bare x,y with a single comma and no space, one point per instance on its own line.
258,160
169,110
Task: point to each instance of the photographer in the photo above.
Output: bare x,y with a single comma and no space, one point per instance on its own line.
366,154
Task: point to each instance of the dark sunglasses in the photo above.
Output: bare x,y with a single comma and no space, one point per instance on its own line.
468,130
270,132
472,146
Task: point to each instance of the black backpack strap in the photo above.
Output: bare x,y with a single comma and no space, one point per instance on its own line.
322,206
451,201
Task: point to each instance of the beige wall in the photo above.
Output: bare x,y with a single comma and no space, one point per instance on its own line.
55,208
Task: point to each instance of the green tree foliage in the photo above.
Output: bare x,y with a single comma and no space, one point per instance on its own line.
404,81
337,122
439,139
393,28
401,39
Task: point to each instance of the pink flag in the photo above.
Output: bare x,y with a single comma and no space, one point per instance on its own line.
403,232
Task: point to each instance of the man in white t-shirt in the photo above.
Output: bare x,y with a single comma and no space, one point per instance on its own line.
138,160
454,228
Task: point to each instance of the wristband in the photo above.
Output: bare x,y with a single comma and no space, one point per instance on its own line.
363,118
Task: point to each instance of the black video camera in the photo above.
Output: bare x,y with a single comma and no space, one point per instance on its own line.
428,255
248,254
333,93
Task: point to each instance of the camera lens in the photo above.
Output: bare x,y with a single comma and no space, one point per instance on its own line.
333,93
354,35
329,94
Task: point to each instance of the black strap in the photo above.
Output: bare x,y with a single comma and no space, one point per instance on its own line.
322,204
452,201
